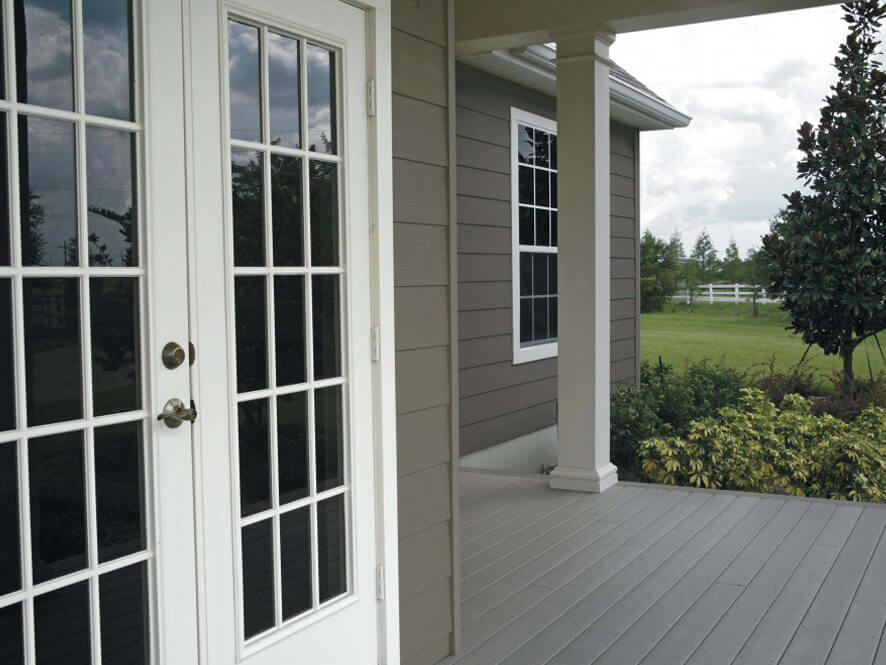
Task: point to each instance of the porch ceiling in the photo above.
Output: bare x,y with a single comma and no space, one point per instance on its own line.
484,25
667,576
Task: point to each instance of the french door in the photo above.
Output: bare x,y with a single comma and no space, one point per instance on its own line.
96,518
286,445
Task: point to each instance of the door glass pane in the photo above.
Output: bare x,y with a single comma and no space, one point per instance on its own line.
107,58
58,505
43,53
324,213
110,173
327,327
61,626
289,322
321,99
52,350
123,603
7,360
252,344
116,372
255,463
247,192
329,437
119,490
295,555
283,90
48,192
332,563
5,225
287,210
258,578
245,81
292,446
12,639
10,559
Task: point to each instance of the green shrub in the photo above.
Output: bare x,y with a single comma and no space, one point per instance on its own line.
759,447
665,405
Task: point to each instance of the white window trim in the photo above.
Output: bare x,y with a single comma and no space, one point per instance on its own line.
524,354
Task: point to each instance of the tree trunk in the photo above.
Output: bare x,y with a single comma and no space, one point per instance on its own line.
848,372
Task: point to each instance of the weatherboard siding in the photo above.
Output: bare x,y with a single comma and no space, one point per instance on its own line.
423,282
497,399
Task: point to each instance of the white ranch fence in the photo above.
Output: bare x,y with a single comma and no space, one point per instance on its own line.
712,293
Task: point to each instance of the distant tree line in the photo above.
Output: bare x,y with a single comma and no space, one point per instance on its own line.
666,269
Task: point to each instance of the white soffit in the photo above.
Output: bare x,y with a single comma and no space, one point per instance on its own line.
533,67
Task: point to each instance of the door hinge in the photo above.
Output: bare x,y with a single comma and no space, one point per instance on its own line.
370,98
375,343
380,582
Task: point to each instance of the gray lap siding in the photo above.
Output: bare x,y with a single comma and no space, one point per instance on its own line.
497,399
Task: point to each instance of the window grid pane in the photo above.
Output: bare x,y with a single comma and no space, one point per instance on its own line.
61,363
536,227
293,471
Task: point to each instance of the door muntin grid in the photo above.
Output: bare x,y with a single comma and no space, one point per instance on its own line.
74,510
287,318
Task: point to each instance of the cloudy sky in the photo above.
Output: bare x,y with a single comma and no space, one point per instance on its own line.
748,85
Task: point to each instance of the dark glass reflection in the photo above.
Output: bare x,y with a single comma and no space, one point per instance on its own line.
5,224
553,149
552,317
327,326
7,359
324,213
283,90
525,320
110,174
541,149
107,57
116,370
552,273
58,505
539,318
527,227
244,71
329,436
289,325
295,560
525,144
61,626
258,578
540,274
255,456
123,604
10,561
12,639
119,490
542,188
321,99
526,274
52,350
248,204
542,227
43,46
252,343
554,228
526,185
287,211
332,547
292,446
2,69
553,189
48,192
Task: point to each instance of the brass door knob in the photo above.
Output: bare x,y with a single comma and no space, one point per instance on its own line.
175,413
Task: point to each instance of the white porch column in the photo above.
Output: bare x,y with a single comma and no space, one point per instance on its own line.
583,265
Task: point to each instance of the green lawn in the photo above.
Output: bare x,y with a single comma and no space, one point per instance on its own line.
727,333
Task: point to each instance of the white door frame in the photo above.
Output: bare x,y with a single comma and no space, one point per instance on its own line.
206,197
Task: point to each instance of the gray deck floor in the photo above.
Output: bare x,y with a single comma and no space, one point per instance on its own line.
642,574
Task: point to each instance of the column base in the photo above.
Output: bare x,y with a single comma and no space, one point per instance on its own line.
584,480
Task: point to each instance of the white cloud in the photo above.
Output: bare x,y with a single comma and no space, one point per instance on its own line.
748,84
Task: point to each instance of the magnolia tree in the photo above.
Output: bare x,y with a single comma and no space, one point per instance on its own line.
827,250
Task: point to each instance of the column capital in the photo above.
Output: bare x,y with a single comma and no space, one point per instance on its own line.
581,44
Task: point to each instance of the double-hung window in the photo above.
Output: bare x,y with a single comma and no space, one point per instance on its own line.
534,234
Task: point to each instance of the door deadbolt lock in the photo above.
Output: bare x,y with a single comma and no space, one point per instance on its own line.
173,355
175,413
